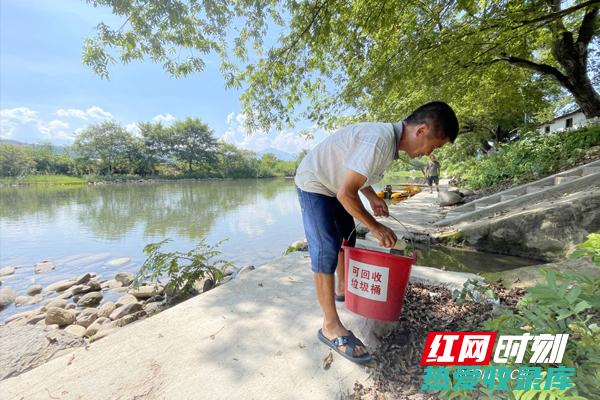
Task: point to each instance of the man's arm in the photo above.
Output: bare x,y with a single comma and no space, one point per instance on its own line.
378,205
369,192
348,196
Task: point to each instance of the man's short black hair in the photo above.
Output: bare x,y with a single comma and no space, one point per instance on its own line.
440,116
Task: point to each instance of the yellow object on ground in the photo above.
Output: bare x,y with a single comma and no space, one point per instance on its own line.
405,193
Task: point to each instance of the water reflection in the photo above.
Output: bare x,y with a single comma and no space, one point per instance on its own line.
118,213
468,260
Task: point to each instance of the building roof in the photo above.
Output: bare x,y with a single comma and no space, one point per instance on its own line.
563,116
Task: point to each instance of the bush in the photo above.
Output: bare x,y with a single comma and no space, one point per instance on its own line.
591,248
182,269
15,160
531,158
563,304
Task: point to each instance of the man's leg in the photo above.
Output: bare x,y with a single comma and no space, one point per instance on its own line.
347,231
332,326
319,218
340,287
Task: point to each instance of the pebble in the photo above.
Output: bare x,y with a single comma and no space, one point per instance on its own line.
125,278
34,289
7,297
117,262
76,330
90,299
6,271
105,309
124,310
44,266
59,316
20,300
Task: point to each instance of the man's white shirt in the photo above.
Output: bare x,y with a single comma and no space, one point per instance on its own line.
367,148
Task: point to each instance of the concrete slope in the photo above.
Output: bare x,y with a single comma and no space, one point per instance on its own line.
573,180
252,338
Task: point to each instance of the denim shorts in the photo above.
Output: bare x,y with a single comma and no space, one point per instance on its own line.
326,224
433,179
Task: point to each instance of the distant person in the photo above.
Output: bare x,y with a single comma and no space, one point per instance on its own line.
432,171
329,180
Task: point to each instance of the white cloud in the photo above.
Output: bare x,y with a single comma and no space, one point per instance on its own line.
241,119
287,141
230,117
165,119
11,118
54,129
19,114
98,113
133,128
7,128
25,124
92,113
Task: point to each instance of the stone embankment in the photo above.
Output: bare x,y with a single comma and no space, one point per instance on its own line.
73,312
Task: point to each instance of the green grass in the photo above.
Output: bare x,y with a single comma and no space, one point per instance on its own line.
529,159
43,180
403,174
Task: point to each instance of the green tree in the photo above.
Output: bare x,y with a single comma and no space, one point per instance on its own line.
268,165
43,154
15,160
107,144
237,163
375,58
157,142
193,143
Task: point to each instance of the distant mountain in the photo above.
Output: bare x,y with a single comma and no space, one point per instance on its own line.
282,155
15,142
57,149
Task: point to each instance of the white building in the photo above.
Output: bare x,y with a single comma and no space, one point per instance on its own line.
573,120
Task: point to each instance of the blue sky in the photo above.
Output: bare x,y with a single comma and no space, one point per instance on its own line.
46,94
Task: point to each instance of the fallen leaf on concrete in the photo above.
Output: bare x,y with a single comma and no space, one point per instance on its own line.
327,361
212,337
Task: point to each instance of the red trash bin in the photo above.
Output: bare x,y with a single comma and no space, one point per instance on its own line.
375,282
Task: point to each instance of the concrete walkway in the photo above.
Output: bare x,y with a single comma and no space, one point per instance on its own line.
417,213
252,338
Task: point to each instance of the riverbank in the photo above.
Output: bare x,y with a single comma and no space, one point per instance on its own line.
254,336
66,180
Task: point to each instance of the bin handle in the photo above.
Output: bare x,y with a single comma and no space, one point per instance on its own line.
412,242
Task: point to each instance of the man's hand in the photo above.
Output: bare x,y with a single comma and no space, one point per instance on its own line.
385,236
379,207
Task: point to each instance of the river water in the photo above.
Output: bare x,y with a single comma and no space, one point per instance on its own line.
82,228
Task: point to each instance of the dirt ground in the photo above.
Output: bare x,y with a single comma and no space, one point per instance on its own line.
398,374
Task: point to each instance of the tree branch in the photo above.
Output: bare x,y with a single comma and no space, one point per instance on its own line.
317,9
544,69
558,13
587,28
